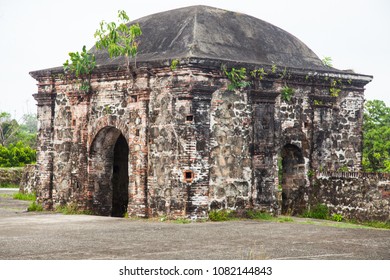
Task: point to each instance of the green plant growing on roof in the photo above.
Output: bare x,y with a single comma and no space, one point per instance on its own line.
237,78
334,90
174,64
119,39
287,93
273,68
258,73
327,61
81,65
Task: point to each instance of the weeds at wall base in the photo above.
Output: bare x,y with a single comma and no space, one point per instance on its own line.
35,207
72,209
25,196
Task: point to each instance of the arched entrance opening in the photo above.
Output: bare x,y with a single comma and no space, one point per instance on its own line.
292,178
120,178
108,172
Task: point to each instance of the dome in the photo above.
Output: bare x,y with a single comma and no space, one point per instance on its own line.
211,33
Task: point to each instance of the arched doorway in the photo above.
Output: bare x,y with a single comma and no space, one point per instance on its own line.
120,178
292,178
108,172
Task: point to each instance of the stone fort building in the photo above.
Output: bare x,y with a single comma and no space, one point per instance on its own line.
179,142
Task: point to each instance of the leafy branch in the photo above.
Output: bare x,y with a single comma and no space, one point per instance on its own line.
237,78
81,65
287,93
327,61
119,39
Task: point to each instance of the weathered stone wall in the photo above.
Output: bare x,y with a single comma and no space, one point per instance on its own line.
12,175
230,154
28,182
193,145
355,196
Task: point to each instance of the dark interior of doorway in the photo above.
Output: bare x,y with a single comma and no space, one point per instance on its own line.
120,178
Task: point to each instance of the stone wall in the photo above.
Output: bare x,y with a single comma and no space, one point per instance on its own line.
359,196
193,145
12,175
28,183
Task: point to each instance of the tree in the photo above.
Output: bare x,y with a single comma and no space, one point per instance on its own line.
376,137
119,39
8,129
17,141
81,65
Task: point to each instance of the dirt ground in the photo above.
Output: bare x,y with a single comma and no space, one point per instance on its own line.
35,236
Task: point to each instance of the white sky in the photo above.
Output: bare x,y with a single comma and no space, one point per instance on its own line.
38,34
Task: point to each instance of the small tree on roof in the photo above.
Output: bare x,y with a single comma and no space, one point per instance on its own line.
118,38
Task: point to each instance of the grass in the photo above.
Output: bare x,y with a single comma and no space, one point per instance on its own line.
319,211
35,207
374,224
221,215
9,186
181,221
6,195
229,215
72,209
257,215
284,219
24,196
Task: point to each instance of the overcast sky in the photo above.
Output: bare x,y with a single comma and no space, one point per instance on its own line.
38,34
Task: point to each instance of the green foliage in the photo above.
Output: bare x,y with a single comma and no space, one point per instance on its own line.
285,220
174,64
318,102
181,221
376,137
343,168
72,209
287,93
257,215
16,155
273,68
220,215
119,39
320,211
334,92
377,224
334,89
327,61
17,141
310,173
9,186
25,196
237,78
337,217
35,207
81,64
11,131
258,73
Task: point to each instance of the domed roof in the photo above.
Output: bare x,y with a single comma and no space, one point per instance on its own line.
211,33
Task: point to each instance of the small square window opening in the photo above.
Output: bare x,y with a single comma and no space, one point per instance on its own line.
188,176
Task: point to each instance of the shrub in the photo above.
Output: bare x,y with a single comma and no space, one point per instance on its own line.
320,211
16,155
337,217
220,215
34,207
